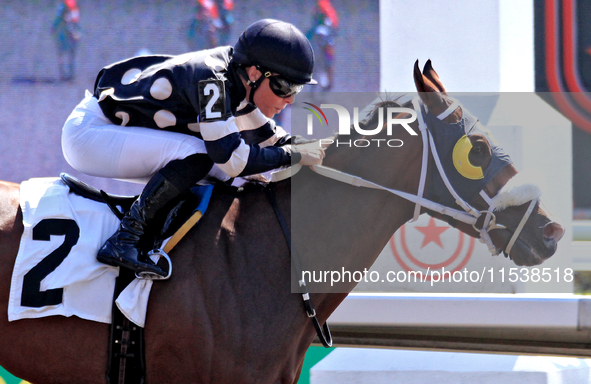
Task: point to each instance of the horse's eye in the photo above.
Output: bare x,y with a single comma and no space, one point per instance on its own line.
477,149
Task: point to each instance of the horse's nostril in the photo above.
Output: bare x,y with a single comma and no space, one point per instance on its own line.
553,231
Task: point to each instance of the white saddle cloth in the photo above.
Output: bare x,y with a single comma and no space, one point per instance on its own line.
87,284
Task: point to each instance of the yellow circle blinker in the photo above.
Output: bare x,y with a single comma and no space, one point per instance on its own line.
461,161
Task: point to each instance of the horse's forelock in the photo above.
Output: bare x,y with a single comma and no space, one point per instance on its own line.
372,117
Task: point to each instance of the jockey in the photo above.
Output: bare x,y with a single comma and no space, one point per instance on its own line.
66,31
323,33
174,120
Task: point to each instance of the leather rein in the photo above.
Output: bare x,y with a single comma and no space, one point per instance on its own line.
323,331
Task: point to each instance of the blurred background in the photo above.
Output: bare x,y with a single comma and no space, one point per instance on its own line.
52,51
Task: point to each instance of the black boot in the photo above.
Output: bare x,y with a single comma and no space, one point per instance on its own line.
124,248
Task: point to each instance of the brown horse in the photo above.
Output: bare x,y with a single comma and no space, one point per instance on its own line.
228,314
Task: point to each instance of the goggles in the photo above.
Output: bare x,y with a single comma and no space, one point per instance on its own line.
282,87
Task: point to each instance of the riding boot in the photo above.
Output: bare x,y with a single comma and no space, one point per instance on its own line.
125,248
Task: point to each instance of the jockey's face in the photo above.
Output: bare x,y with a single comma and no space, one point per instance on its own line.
264,98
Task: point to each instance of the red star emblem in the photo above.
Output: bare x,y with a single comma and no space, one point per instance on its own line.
432,233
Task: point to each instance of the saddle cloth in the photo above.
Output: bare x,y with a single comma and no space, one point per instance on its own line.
56,271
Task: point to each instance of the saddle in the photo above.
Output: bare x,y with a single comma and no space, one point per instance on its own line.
126,348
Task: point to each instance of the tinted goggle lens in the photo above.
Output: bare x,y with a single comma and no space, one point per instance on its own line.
282,87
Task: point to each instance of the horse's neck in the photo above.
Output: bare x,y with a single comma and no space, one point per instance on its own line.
338,227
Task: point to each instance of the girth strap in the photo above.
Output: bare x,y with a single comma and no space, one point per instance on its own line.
127,364
323,331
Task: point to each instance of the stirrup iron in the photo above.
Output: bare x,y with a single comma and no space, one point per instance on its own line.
154,276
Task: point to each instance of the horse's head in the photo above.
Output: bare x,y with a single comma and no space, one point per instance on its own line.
483,177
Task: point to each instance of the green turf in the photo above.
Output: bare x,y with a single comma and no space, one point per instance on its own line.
314,355
7,378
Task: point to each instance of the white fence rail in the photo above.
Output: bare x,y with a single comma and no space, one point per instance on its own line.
523,324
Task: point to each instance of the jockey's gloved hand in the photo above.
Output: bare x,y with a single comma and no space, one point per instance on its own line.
312,153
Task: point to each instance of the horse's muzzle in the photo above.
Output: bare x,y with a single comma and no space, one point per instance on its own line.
553,232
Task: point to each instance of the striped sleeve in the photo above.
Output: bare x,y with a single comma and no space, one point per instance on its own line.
256,128
227,148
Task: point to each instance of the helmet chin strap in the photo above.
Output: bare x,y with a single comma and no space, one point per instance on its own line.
254,85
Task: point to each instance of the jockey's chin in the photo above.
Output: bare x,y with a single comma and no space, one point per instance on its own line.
270,111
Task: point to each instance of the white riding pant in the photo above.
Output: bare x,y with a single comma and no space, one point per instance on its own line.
93,145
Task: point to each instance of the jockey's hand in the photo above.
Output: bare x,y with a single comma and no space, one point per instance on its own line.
312,153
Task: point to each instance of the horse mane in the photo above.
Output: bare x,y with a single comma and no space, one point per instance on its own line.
370,120
251,185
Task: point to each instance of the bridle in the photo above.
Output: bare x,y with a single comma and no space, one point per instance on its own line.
489,223
468,214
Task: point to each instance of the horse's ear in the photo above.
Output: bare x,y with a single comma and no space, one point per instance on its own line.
422,82
428,92
418,77
430,74
432,92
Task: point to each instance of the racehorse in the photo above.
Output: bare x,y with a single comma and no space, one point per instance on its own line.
228,314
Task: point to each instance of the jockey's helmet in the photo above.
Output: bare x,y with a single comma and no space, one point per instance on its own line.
279,47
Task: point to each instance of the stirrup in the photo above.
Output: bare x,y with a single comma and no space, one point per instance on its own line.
154,276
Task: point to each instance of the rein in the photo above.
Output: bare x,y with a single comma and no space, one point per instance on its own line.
323,331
